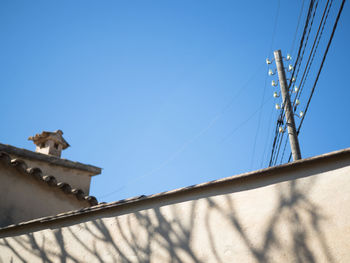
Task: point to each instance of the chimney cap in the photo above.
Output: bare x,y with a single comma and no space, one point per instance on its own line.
55,136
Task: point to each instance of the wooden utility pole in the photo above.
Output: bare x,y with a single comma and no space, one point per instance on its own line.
293,137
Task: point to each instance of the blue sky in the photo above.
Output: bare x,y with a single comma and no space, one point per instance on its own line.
163,94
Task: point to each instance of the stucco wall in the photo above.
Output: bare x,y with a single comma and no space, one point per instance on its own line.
291,215
23,198
76,178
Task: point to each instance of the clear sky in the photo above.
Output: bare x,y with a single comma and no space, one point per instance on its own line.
164,94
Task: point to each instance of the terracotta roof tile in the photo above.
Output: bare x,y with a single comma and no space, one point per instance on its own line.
50,180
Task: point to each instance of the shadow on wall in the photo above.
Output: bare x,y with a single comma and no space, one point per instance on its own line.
174,237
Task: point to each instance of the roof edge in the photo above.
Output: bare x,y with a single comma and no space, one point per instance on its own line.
24,153
133,200
51,181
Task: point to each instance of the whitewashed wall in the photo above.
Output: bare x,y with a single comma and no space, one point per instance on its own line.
290,215
24,198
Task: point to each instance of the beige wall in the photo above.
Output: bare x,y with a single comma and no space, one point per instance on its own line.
23,198
76,178
290,215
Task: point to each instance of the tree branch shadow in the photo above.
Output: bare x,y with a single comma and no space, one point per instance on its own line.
134,238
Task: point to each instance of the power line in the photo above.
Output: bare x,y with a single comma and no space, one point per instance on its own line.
259,120
279,146
296,30
246,120
284,149
273,145
322,63
310,59
302,40
269,136
182,148
277,134
302,46
313,52
275,26
306,41
266,76
187,143
321,66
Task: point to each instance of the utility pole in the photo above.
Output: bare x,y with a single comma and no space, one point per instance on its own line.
293,137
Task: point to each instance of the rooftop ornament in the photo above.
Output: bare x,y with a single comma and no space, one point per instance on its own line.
50,143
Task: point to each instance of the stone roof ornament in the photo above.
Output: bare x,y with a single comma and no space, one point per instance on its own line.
50,143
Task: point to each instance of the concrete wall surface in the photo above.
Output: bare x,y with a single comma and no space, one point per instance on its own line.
76,178
23,198
298,214
78,175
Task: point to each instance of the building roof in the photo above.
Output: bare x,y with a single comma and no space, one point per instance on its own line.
49,180
49,159
265,173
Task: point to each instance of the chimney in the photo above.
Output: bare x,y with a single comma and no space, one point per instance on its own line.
50,143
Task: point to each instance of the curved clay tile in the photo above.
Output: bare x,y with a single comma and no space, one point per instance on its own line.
50,180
